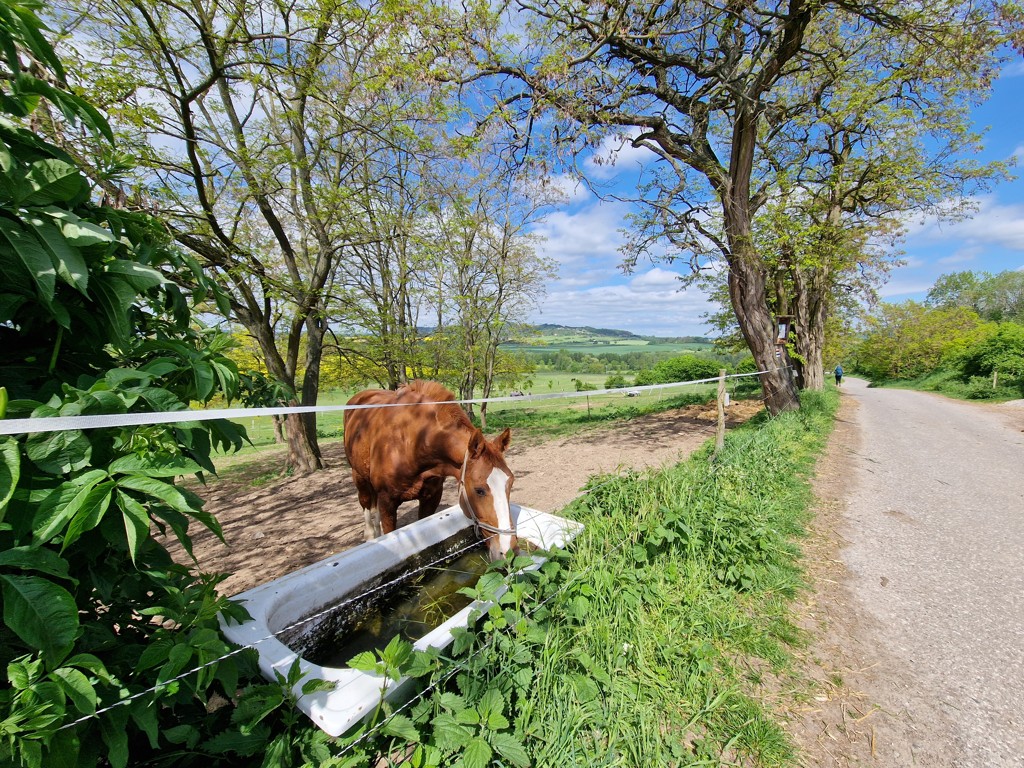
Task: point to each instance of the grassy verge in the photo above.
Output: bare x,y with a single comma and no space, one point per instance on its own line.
651,643
951,384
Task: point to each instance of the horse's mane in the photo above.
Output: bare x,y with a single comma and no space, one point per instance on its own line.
421,391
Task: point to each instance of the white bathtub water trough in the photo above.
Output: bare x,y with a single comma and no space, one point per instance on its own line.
278,608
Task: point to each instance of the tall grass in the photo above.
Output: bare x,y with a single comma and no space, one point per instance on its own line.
952,384
686,575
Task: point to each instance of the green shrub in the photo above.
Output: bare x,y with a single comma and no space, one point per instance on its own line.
101,628
616,381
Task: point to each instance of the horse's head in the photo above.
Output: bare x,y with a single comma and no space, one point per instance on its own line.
484,490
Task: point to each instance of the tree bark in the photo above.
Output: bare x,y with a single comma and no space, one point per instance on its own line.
748,278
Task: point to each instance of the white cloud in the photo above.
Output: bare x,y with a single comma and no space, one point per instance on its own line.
570,188
905,288
963,255
991,224
586,240
656,278
651,304
616,154
1016,69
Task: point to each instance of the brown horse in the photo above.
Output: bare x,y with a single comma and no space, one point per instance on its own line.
405,450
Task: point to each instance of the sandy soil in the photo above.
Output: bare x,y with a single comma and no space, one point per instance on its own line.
272,528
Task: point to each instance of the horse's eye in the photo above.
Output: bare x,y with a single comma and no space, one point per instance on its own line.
481,491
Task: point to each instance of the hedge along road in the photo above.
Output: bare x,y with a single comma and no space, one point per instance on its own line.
934,526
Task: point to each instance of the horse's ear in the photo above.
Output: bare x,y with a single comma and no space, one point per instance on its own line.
477,443
504,439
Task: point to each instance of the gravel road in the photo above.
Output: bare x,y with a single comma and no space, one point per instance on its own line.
934,524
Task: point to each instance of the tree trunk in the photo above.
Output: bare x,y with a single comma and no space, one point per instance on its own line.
810,311
303,447
747,291
748,278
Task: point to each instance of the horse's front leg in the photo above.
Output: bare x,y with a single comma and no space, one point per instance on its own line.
387,510
430,496
371,523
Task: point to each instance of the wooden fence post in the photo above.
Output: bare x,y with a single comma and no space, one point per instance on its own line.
720,432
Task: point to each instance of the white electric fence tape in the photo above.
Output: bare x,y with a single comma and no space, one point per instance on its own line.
64,423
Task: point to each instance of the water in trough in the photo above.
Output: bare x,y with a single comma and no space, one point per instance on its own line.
424,604
409,609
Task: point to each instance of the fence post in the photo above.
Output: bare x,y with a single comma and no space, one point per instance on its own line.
720,432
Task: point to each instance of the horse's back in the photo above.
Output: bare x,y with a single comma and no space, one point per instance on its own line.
374,437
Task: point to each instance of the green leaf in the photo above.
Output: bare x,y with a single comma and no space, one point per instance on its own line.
467,717
24,672
90,514
179,656
478,753
204,379
452,701
183,734
41,613
36,559
136,522
58,453
78,689
401,727
155,653
53,181
277,753
316,685
496,721
148,465
115,297
10,469
78,232
138,276
34,258
63,750
511,749
176,498
448,734
57,509
68,260
365,662
115,736
244,744
490,703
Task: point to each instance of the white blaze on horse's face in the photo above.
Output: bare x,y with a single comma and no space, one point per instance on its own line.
498,482
485,488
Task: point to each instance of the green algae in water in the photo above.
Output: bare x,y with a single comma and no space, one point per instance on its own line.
422,605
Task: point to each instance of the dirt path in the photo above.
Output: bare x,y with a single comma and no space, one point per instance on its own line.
918,609
277,527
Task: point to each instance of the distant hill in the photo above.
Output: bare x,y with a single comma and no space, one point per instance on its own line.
563,331
548,329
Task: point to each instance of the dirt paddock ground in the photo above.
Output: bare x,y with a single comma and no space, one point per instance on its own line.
273,528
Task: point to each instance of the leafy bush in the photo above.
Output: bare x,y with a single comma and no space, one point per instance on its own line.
101,628
1000,350
680,368
615,381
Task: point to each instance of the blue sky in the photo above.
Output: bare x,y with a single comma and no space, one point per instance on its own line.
583,237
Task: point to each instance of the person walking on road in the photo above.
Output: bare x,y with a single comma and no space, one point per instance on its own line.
839,374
